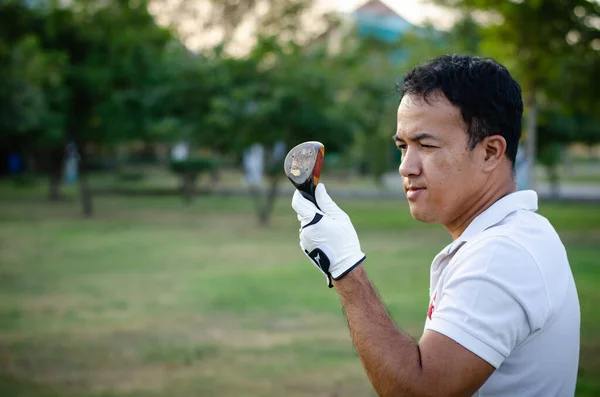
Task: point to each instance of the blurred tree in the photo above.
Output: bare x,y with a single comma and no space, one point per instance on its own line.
114,50
465,35
81,73
555,131
181,107
261,81
367,64
367,68
180,102
575,93
278,94
534,39
32,90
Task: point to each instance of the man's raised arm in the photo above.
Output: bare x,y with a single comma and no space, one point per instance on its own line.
395,364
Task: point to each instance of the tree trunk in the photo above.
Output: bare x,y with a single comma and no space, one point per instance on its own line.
54,186
215,175
257,196
531,132
85,193
188,186
269,202
552,171
55,164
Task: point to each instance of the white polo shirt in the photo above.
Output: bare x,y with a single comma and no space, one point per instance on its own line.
504,290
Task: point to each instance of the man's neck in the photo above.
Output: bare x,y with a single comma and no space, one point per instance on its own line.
490,194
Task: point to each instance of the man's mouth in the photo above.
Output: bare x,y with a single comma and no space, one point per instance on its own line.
413,192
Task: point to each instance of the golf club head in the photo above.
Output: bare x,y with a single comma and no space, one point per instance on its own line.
302,166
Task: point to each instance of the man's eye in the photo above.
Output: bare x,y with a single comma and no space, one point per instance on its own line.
402,147
427,146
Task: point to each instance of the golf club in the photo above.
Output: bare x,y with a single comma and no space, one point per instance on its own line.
302,166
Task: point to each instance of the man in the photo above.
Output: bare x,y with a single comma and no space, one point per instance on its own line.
504,317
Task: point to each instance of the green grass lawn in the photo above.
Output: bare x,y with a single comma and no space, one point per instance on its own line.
152,298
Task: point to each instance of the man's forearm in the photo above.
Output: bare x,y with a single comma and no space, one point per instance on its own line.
391,359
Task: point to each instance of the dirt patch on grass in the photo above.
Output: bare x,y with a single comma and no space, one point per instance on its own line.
151,355
589,358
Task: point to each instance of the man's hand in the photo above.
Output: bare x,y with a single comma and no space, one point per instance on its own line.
327,236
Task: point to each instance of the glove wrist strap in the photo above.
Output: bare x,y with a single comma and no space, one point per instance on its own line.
348,270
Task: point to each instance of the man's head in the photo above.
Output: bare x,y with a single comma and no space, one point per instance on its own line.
459,125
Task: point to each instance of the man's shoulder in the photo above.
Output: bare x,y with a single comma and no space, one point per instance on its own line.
525,234
525,256
494,252
496,265
509,252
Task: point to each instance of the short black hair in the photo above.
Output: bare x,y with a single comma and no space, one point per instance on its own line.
488,98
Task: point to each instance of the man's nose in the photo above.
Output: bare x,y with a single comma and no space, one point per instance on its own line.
410,164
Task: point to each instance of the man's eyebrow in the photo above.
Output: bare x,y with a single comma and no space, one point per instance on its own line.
415,138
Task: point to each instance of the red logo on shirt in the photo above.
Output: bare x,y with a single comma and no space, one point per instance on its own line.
431,306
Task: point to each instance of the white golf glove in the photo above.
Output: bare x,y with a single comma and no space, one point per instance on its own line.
327,236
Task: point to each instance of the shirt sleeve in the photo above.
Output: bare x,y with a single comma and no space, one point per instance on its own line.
493,296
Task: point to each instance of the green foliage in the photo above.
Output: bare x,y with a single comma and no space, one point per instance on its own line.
107,73
194,165
32,77
278,93
551,47
85,72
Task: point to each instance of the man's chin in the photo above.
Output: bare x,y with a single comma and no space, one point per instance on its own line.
422,215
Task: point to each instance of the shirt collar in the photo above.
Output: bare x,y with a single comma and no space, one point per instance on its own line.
521,200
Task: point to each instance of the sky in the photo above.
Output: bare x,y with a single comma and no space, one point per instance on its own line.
414,11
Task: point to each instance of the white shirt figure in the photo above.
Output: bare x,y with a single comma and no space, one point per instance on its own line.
279,151
522,170
254,164
505,291
180,152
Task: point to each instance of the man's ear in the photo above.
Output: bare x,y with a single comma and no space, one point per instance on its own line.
495,149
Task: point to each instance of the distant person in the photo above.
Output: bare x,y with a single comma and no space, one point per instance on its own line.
503,317
180,152
15,164
521,170
254,165
71,165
